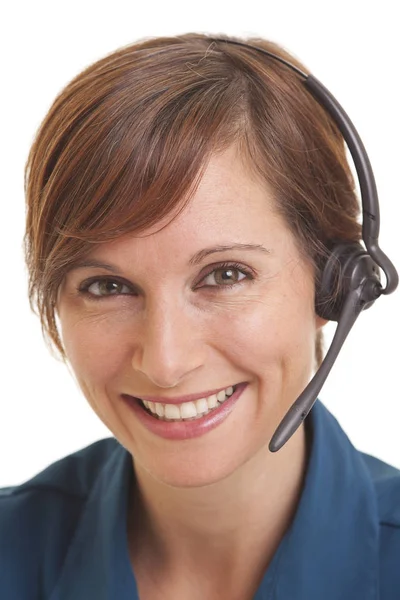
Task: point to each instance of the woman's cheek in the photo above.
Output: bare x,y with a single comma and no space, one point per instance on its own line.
94,347
272,331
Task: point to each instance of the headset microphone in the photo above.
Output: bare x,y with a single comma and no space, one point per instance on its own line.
350,279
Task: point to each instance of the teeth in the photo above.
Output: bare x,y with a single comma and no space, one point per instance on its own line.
202,406
171,411
212,401
188,410
159,409
221,396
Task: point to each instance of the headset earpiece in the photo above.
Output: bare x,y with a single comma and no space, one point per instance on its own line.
348,266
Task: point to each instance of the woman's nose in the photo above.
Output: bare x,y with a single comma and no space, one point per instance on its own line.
168,347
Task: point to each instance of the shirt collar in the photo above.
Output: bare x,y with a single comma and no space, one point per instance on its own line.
97,563
330,551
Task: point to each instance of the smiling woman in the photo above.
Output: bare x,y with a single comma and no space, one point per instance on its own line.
182,196
178,318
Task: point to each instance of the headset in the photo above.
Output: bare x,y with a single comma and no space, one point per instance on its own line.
350,279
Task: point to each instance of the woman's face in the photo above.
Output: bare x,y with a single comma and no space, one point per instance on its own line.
167,325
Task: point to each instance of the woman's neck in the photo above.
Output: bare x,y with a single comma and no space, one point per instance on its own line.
229,530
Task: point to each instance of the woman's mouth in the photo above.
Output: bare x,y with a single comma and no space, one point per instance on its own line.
187,411
187,419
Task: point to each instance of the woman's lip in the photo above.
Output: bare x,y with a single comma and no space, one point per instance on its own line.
181,399
185,429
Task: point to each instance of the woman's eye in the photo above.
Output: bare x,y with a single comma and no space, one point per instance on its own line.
226,276
106,287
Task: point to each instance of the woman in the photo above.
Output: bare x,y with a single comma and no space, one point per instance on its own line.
181,195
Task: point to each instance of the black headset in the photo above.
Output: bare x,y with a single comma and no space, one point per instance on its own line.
350,279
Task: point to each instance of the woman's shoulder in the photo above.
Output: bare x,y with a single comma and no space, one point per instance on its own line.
38,518
386,481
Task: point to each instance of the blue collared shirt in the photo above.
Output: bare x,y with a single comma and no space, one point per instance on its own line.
63,533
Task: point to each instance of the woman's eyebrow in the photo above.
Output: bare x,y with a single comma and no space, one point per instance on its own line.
198,257
91,263
195,260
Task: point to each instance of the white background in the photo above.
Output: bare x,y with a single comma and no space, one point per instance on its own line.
353,47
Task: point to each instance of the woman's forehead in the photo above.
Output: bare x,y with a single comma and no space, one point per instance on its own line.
230,206
195,235
228,194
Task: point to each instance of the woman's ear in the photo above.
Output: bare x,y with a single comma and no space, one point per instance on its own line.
320,322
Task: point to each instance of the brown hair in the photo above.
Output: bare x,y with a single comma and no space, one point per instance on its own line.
126,142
